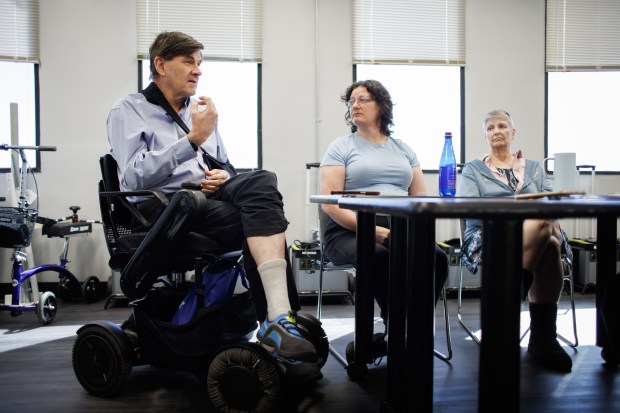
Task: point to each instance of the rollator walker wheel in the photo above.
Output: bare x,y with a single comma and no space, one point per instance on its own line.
46,307
68,289
90,289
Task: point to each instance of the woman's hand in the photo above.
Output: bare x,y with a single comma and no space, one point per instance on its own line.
213,180
382,236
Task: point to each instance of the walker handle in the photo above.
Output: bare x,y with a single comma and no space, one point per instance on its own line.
6,147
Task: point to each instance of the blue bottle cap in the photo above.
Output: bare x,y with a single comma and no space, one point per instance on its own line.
448,134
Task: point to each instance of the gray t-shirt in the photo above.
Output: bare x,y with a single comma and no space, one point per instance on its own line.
386,168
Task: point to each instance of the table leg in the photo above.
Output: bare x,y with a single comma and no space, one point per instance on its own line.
396,370
364,297
607,322
418,391
500,353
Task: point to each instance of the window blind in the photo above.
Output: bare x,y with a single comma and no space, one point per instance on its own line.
583,35
19,30
229,30
409,32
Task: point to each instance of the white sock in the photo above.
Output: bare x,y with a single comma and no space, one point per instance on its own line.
273,275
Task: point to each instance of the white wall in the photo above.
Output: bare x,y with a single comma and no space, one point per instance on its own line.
88,60
505,70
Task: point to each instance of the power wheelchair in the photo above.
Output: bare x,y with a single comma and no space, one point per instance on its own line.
215,344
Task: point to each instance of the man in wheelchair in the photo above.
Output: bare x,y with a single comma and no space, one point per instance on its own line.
163,139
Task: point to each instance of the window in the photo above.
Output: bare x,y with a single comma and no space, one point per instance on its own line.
583,80
233,86
416,49
19,57
427,103
231,32
17,82
581,106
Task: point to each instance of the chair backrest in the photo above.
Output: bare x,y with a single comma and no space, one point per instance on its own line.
325,261
462,226
323,217
116,212
108,228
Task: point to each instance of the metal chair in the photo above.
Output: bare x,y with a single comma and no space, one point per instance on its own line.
568,285
326,266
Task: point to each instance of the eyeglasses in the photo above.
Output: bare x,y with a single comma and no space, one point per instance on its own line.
361,100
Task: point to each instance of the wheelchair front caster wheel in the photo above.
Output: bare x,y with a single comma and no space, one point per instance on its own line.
356,371
46,308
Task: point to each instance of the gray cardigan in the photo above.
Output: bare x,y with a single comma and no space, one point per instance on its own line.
477,180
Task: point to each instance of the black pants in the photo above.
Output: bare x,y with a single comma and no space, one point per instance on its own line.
341,248
248,204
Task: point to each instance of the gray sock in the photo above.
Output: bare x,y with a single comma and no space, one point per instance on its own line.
273,275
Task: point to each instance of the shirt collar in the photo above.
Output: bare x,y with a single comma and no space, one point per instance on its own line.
518,168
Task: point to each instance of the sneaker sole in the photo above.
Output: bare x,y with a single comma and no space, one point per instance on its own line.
306,357
284,365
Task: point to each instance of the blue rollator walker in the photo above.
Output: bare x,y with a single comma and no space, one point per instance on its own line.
212,341
16,230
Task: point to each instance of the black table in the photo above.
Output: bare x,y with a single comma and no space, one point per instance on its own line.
410,362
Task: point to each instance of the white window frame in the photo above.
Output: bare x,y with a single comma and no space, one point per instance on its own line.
19,58
392,38
234,89
232,34
427,103
583,81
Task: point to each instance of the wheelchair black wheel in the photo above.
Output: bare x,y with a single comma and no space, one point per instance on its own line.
90,289
101,362
311,328
243,378
46,308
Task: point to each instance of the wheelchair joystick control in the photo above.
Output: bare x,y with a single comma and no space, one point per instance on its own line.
75,209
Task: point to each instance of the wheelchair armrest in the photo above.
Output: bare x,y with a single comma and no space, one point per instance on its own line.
123,195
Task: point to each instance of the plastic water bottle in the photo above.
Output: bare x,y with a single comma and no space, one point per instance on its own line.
447,168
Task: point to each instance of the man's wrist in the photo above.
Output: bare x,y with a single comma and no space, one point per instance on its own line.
194,146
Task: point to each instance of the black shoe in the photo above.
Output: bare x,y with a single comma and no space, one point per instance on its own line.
378,349
549,353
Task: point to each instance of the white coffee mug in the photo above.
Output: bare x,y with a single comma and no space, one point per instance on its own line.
564,171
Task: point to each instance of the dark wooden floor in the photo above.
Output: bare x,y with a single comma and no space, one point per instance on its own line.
36,371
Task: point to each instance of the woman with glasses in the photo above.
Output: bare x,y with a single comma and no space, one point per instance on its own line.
370,159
